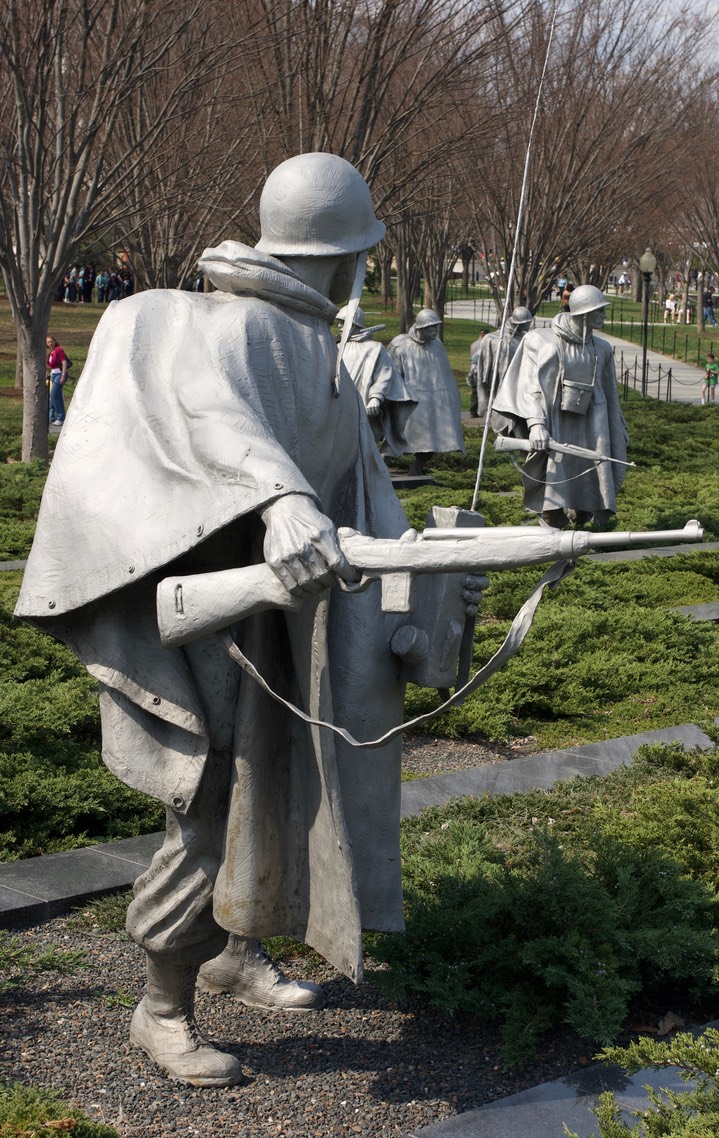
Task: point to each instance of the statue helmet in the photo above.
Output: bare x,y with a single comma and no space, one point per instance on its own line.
426,317
586,298
357,320
317,205
521,315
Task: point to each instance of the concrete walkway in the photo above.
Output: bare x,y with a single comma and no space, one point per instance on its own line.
686,378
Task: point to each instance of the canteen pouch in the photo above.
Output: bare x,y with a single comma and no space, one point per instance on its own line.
576,397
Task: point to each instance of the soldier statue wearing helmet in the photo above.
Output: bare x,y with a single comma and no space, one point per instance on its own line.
561,387
381,387
497,349
227,434
435,424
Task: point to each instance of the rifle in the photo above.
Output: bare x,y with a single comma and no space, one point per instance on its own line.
504,443
196,605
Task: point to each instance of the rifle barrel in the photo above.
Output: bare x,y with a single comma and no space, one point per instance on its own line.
692,531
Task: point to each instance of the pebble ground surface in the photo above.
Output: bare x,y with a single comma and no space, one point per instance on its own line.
359,1066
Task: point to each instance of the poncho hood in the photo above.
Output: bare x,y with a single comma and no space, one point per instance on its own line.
239,269
563,325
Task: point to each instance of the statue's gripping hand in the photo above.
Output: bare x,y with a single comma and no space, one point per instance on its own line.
301,545
474,586
539,437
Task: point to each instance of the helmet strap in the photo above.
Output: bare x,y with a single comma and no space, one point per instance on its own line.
352,306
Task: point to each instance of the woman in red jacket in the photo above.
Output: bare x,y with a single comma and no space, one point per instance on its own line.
57,364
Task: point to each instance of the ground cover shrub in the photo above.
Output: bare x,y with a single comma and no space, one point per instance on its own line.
21,486
105,913
55,792
29,1113
10,430
532,910
601,660
692,1113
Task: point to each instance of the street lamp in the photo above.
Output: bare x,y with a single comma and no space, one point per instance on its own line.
647,265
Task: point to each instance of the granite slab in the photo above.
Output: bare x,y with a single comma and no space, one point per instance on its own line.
542,770
542,1111
39,888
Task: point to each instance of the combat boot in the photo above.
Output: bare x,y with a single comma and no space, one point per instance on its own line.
163,1025
246,971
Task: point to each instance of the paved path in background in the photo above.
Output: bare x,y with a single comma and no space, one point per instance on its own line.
686,382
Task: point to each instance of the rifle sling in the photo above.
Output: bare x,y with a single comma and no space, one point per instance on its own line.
518,630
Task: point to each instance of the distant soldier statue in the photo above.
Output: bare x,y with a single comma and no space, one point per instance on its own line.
472,373
383,391
435,425
561,386
501,348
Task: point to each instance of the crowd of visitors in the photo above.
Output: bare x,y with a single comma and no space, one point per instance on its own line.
80,283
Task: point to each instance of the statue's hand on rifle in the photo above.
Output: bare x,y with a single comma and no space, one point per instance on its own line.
301,545
474,586
539,437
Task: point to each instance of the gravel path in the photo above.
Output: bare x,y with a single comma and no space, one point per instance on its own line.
424,756
359,1066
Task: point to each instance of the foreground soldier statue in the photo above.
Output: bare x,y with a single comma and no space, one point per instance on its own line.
435,425
561,387
380,385
211,432
499,348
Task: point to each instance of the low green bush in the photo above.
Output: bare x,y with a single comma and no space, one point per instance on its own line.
21,486
564,906
55,792
602,659
693,1113
29,1113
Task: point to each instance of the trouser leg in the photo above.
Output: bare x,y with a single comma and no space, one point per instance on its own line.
171,912
555,518
421,459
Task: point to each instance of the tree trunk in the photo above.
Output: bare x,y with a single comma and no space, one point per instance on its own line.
386,273
685,293
407,281
31,352
700,302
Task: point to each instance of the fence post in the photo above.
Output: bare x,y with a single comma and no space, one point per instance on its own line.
669,385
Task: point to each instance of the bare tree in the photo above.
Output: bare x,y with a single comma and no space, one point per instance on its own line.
606,152
202,171
68,68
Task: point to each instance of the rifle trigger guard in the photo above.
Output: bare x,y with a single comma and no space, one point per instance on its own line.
356,586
